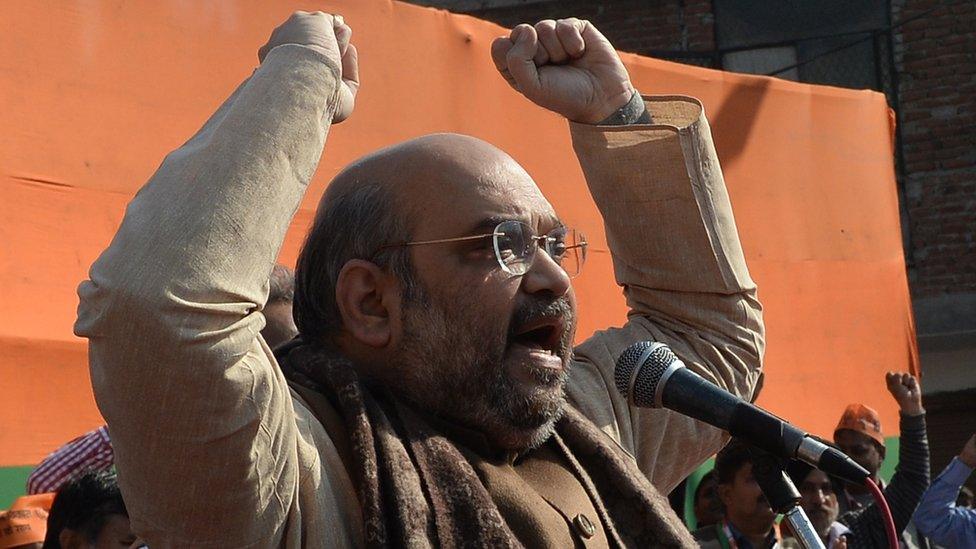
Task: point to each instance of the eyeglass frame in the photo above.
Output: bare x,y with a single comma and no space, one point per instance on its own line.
582,245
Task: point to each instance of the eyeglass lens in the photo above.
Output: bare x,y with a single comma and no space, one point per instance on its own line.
516,243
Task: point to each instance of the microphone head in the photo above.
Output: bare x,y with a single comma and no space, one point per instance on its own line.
639,371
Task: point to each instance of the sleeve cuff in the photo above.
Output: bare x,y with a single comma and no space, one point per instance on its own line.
675,112
957,472
912,423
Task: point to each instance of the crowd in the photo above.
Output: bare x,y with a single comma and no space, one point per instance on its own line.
417,384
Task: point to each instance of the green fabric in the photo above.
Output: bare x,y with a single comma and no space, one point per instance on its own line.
13,482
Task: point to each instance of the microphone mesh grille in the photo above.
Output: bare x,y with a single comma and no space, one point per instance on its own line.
650,372
626,364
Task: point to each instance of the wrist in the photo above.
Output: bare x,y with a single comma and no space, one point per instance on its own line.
632,112
912,410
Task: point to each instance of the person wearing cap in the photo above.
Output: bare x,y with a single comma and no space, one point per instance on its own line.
937,516
23,525
859,435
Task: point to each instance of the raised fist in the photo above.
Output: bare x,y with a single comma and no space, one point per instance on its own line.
566,66
329,35
907,392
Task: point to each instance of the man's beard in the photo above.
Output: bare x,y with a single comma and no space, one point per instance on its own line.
821,519
454,365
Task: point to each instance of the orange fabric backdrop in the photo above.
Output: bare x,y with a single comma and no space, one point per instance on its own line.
94,94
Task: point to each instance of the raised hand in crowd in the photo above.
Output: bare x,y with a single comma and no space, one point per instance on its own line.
329,35
907,392
566,66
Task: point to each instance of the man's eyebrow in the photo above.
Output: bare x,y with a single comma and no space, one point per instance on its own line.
487,224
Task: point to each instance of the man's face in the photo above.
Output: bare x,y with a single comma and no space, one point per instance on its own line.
708,506
861,448
744,501
280,324
818,500
115,533
486,348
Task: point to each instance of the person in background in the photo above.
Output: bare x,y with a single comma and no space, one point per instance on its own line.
91,451
749,521
937,517
818,498
858,435
24,524
279,323
88,513
708,506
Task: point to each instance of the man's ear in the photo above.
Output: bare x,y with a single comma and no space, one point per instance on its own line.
366,296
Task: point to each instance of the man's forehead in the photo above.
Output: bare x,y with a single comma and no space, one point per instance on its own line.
465,183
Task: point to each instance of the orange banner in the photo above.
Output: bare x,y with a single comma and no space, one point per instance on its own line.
94,94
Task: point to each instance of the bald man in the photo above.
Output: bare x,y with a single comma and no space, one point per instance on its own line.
433,396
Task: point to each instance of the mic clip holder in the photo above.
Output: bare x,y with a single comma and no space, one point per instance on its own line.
783,496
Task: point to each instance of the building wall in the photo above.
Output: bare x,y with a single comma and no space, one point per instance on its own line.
632,25
936,61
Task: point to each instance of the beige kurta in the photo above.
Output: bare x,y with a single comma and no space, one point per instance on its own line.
213,450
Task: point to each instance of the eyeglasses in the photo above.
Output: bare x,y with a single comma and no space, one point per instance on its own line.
515,244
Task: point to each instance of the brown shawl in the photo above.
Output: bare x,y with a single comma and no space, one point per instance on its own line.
417,489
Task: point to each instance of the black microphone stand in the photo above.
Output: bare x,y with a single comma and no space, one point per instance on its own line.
783,496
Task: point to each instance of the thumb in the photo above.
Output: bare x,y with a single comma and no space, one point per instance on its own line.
520,56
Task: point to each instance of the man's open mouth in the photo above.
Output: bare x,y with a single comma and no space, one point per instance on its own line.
543,334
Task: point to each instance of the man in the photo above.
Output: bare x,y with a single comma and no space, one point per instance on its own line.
280,323
88,513
818,499
749,521
435,397
937,517
708,506
858,435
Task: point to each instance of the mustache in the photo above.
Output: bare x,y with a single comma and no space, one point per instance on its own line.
536,307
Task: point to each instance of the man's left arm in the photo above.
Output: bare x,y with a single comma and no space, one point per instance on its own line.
911,477
670,228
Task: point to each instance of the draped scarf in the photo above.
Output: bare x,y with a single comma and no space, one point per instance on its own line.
418,489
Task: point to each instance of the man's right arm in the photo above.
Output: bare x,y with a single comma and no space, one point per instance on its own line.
202,422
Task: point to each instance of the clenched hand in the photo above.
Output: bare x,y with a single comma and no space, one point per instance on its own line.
329,35
566,66
907,392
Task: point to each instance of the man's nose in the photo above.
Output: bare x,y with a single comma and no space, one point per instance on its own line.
818,497
545,275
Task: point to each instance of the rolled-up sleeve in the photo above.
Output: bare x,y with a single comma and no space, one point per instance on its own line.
676,253
201,419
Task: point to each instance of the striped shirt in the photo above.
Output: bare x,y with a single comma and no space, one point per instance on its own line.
92,450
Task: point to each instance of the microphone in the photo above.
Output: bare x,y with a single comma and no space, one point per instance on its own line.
648,375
